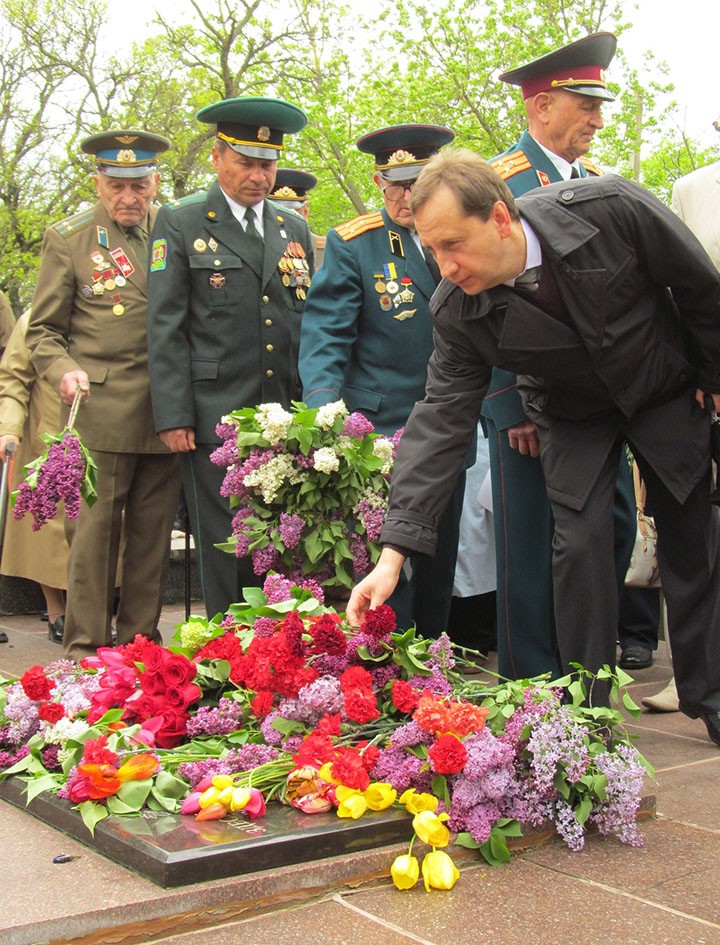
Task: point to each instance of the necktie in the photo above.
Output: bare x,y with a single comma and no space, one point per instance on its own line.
574,173
529,279
138,240
251,225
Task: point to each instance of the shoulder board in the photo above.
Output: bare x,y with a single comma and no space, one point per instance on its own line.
359,225
74,223
320,241
186,201
508,165
590,167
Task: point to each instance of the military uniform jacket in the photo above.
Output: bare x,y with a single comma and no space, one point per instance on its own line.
223,328
82,318
618,367
696,200
523,167
367,332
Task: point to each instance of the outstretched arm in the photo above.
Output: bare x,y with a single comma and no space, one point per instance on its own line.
375,589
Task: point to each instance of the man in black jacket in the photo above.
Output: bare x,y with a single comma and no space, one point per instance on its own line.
609,310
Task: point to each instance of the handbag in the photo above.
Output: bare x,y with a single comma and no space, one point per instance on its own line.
643,570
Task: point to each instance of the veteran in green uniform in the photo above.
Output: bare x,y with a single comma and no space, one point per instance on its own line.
292,191
229,274
87,331
563,94
367,333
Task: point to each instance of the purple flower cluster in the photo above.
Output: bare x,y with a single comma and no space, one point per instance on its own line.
358,426
372,516
290,529
223,719
59,479
322,697
616,813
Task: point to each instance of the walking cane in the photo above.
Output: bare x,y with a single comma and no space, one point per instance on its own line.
186,526
9,448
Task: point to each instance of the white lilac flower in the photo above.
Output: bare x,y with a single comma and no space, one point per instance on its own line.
329,413
63,730
383,449
274,422
269,478
326,460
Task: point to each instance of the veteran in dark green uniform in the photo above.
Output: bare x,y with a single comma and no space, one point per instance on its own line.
563,93
88,330
367,334
292,191
229,273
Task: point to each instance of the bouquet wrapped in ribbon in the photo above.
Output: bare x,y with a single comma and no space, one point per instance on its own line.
65,472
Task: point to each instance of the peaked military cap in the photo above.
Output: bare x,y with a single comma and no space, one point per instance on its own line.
401,151
254,125
125,153
578,67
292,186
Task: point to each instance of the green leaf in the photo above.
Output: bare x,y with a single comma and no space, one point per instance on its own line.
92,814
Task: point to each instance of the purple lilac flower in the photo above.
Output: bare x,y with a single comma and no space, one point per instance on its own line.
402,769
270,734
360,557
60,479
290,529
441,654
557,741
357,425
318,698
382,675
10,758
21,713
372,515
226,455
226,431
435,683
264,559
409,735
277,588
251,756
50,758
223,719
566,824
329,665
292,744
264,626
616,814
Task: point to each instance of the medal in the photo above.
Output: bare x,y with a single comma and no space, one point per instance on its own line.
98,288
199,245
217,280
385,303
109,284
118,309
392,287
120,280
97,259
87,291
380,287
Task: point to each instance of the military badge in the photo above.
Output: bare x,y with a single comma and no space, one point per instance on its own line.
212,245
385,303
263,133
118,309
158,258
217,280
122,262
543,178
102,236
408,313
396,246
199,245
392,287
86,291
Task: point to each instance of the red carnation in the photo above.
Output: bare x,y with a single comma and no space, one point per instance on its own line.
348,769
404,696
36,685
51,712
361,706
262,704
448,755
379,622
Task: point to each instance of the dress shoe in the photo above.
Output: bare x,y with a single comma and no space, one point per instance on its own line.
664,701
635,657
712,724
56,629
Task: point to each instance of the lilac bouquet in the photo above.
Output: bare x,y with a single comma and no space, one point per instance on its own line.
309,487
64,472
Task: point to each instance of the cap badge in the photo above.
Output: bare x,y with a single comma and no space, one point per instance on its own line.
126,139
287,192
401,157
126,156
263,133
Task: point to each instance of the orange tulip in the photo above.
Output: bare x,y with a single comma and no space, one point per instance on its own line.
138,768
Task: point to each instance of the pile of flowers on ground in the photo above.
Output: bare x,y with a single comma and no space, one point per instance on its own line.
309,488
281,701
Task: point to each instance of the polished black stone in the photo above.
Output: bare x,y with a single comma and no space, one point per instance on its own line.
173,850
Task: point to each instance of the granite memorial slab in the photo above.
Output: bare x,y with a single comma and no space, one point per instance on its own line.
174,850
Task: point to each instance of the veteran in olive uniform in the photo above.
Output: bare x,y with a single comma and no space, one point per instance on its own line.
367,335
229,274
292,191
563,94
87,332
7,321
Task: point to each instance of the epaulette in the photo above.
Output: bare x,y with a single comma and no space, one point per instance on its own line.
320,242
590,167
508,165
359,225
186,201
74,223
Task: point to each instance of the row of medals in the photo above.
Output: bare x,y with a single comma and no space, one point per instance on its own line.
294,268
105,279
390,293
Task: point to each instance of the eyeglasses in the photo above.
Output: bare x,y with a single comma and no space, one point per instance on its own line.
397,190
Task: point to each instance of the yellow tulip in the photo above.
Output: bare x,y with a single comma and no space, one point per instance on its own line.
439,871
209,797
222,781
353,806
380,795
405,871
430,828
325,773
415,802
239,799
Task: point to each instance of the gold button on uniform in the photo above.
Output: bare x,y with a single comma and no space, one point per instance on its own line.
269,348
265,299
268,322
268,373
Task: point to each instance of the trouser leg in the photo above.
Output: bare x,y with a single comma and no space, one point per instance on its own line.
150,509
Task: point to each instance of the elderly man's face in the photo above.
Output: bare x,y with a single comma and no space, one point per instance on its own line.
126,199
475,254
569,122
247,180
396,195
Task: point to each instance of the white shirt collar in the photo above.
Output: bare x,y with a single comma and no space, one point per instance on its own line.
533,257
238,211
563,167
